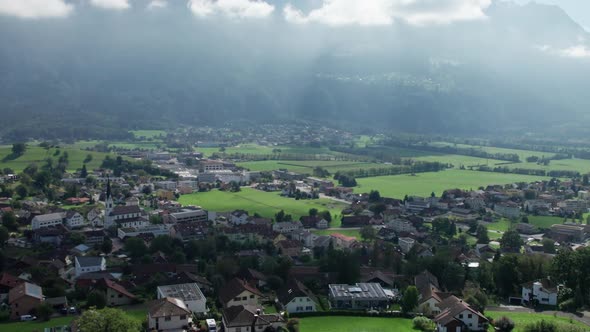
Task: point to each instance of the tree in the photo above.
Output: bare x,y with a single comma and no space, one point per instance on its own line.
18,149
9,221
313,212
44,311
96,299
548,246
87,159
135,247
107,245
4,236
84,172
525,219
482,234
280,216
504,324
511,241
111,320
368,233
409,300
22,191
374,196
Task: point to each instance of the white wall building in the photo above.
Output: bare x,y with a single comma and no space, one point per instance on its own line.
89,264
189,294
47,220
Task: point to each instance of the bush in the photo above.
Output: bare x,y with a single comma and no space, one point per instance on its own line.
423,324
568,305
542,326
504,324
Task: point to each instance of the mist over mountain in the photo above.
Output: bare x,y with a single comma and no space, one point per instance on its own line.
97,73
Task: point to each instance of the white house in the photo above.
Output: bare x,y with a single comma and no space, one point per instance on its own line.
47,220
189,294
73,219
89,264
539,292
294,297
169,314
239,217
406,244
508,210
457,316
239,292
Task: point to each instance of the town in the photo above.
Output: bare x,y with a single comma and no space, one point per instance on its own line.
128,242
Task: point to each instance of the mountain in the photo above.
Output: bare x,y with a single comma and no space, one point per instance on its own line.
98,74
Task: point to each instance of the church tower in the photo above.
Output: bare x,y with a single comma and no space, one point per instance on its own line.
108,202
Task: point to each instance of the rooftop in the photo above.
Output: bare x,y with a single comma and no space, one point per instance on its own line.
185,292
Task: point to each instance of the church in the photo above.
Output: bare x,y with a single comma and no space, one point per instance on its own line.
122,216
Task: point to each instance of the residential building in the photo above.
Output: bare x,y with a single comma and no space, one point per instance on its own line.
401,226
47,220
294,297
73,219
568,232
116,294
169,314
188,215
542,292
249,319
360,296
239,292
155,230
89,264
239,217
573,205
507,209
286,227
430,296
406,244
190,294
342,241
23,299
457,316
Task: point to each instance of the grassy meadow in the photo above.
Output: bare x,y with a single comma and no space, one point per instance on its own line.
348,232
522,319
355,324
267,204
422,184
38,155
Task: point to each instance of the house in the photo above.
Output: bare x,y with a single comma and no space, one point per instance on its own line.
46,220
8,282
253,277
294,297
289,248
484,251
457,316
190,294
507,209
169,314
89,264
568,232
239,292
360,296
314,222
248,319
53,234
406,244
386,234
430,295
125,216
287,227
542,291
93,238
23,299
342,241
402,226
239,217
95,217
73,219
356,221
115,294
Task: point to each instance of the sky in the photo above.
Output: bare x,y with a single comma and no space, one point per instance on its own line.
579,10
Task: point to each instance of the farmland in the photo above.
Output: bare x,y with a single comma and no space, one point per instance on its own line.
422,184
306,167
355,324
348,232
267,204
36,154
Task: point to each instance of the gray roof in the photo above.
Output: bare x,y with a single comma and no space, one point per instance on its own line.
185,292
89,261
357,291
49,216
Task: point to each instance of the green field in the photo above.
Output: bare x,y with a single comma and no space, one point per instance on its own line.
522,319
148,133
545,221
35,154
422,184
256,149
354,324
37,326
267,204
307,166
348,232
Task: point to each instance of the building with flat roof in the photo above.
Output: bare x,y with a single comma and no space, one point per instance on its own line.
360,296
189,214
189,294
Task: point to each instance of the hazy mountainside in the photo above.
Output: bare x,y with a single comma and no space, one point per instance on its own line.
95,73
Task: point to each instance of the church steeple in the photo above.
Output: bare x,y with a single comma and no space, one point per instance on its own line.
109,195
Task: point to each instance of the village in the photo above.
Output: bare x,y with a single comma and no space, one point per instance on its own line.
124,240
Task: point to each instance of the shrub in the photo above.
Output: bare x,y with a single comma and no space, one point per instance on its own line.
423,324
504,324
542,326
568,305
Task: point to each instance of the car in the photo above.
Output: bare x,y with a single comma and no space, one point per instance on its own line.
72,310
64,311
26,318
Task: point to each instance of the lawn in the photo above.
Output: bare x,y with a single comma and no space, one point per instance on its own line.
544,221
148,133
422,184
502,225
348,232
354,324
522,319
267,204
36,154
36,326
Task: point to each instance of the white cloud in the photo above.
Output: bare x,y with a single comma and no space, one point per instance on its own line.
385,12
231,8
156,4
578,51
35,8
111,4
